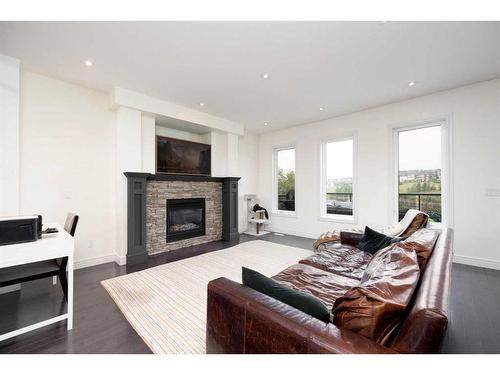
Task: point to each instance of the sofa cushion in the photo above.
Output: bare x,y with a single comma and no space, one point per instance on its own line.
329,236
321,284
372,241
302,301
422,242
375,307
343,260
419,221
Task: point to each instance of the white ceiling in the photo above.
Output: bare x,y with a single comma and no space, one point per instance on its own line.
341,66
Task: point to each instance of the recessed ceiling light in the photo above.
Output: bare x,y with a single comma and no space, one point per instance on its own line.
202,104
88,63
266,123
321,108
411,84
265,75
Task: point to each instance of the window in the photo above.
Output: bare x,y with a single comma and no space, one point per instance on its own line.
420,177
337,185
284,180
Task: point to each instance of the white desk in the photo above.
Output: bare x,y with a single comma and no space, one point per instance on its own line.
50,246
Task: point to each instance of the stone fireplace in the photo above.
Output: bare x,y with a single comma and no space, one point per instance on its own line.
168,212
168,203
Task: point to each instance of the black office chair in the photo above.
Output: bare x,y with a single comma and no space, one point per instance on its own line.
40,270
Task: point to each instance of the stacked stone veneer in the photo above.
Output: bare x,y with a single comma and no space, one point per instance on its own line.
157,193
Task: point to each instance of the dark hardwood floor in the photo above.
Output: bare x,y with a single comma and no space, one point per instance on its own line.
100,327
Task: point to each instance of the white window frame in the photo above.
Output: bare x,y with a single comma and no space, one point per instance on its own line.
275,210
446,167
323,215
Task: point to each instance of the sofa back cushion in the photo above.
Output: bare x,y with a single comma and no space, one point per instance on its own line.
372,241
329,236
419,221
375,307
422,243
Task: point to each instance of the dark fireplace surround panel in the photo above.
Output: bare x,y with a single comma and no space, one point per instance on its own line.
139,186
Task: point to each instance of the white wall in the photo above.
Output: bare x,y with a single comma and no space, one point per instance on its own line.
475,115
9,136
184,135
148,139
218,154
129,156
232,154
248,164
67,161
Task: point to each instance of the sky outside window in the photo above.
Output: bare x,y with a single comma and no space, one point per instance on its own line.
420,149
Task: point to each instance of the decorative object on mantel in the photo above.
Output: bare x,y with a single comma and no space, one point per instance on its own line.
137,210
256,215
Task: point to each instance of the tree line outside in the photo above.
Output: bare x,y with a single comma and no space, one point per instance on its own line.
286,182
429,182
340,187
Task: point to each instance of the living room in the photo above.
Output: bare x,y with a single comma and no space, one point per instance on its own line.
194,187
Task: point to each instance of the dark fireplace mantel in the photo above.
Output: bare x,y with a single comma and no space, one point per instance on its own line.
136,208
177,177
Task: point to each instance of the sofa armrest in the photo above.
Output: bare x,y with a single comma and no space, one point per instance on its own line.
242,320
350,238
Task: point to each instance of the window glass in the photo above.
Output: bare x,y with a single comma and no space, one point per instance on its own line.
338,177
419,171
285,179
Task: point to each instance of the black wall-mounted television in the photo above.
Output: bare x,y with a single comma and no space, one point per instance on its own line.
182,157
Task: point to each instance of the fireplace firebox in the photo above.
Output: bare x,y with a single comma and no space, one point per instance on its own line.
185,218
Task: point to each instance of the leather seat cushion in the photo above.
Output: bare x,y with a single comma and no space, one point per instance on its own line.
323,285
340,259
376,306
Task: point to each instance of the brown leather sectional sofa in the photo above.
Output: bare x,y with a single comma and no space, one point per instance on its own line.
242,320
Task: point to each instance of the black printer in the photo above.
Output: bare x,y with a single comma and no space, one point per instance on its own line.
18,229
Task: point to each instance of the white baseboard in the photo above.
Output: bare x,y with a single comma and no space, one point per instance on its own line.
293,232
477,262
89,262
121,260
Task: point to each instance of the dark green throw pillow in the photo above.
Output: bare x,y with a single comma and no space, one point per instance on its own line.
372,241
300,300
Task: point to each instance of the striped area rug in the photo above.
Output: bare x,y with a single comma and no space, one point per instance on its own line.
166,304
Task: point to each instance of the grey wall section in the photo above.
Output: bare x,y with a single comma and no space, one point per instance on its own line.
136,209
